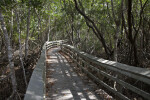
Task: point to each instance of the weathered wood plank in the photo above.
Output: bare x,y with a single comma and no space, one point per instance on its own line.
130,71
126,85
36,88
141,74
106,86
100,82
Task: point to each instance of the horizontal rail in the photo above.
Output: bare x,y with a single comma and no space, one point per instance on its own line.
36,87
140,74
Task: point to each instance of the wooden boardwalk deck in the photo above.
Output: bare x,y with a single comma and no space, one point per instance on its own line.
64,83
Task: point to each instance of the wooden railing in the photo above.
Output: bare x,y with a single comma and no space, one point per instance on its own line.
97,68
54,43
36,87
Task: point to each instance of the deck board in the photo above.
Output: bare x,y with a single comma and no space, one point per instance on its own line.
64,83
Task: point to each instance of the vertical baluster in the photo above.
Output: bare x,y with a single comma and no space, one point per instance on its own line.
77,59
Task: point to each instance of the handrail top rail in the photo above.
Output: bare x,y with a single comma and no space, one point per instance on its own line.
57,41
143,72
36,86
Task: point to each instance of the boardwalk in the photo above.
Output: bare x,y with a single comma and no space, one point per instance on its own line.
64,83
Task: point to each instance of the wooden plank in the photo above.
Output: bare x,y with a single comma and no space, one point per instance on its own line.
129,71
141,74
126,85
52,44
102,83
36,88
105,85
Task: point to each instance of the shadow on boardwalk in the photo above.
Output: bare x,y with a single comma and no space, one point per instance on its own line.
63,83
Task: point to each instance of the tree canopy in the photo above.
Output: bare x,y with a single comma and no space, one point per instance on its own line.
116,30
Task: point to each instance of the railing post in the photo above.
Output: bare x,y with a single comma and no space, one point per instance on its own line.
72,55
77,59
98,69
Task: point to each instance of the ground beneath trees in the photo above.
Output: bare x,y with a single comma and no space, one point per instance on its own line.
5,84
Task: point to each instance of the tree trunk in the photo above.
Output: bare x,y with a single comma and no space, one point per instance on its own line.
136,62
11,28
91,24
9,52
117,21
116,44
39,26
72,28
130,37
49,29
27,36
20,48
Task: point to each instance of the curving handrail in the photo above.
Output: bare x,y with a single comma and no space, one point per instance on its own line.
36,87
84,61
